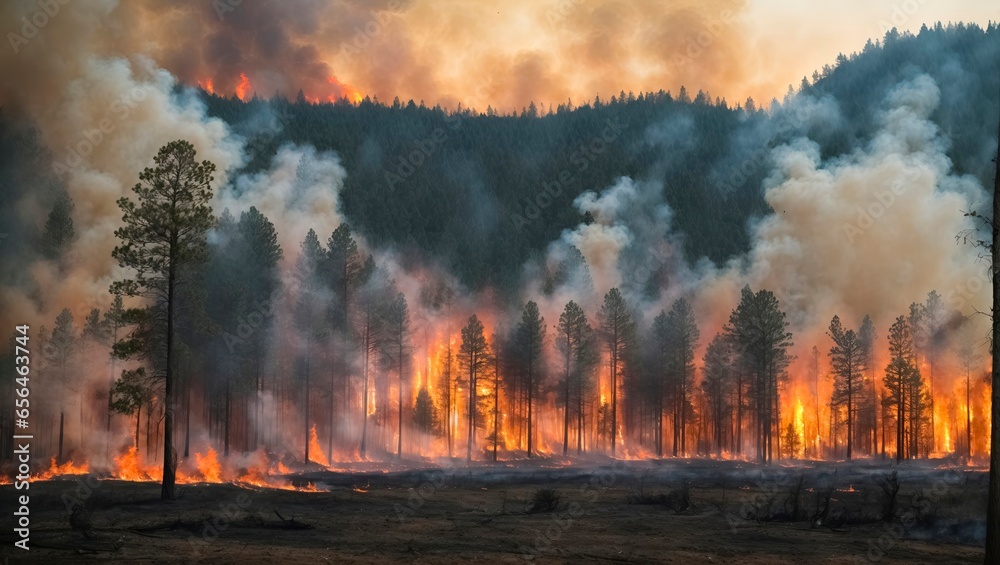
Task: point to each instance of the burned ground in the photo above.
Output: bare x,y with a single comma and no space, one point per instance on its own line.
642,512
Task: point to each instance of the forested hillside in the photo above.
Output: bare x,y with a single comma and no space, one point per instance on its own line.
454,186
473,173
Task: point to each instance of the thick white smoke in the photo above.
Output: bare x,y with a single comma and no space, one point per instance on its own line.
868,232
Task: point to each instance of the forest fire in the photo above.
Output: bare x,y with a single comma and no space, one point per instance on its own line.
331,90
234,274
243,88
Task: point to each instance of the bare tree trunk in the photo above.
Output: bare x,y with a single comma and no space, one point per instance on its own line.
993,500
187,425
138,418
399,445
968,416
566,408
62,418
308,368
169,456
496,403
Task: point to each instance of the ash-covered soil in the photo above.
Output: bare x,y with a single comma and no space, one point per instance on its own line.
668,511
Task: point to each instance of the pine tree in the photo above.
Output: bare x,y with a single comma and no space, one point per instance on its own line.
259,256
899,374
114,321
424,413
846,361
530,339
59,352
59,232
717,383
473,358
617,328
758,330
575,343
163,236
372,299
682,335
868,415
397,349
343,269
307,317
446,383
661,374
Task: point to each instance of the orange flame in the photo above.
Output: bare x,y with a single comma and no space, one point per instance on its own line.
208,466
67,468
207,85
243,87
315,451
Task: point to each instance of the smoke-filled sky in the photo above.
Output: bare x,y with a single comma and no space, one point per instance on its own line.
480,53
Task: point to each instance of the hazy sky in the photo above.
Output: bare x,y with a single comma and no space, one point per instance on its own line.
793,38
506,54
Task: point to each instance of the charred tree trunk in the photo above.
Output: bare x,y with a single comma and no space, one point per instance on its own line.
496,403
187,424
993,503
62,419
399,444
169,455
566,406
229,413
306,419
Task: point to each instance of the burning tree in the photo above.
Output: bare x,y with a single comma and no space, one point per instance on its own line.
617,329
343,269
902,378
397,350
258,255
163,235
473,358
373,297
681,339
424,412
308,319
846,361
716,384
758,331
868,399
580,358
529,339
